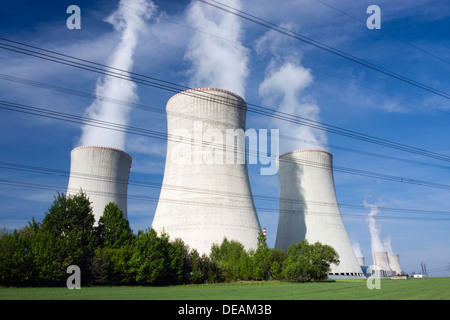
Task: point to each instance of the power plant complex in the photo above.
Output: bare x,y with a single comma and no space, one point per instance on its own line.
206,194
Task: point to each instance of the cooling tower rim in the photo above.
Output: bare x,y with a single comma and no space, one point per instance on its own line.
101,147
302,150
207,89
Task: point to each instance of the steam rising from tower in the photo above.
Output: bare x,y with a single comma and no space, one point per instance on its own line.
216,63
383,257
309,208
204,197
128,22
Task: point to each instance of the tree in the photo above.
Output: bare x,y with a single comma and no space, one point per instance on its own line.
306,262
232,260
202,269
113,230
150,263
180,268
261,259
110,266
16,260
277,258
69,222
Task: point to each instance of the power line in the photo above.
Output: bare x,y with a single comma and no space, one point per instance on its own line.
386,33
322,46
162,111
204,191
201,203
172,87
164,18
160,135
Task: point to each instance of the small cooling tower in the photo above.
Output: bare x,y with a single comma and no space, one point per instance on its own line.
206,194
361,261
394,263
102,173
381,260
309,208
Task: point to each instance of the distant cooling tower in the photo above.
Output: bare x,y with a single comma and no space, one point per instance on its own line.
102,173
394,263
309,208
361,261
381,260
205,196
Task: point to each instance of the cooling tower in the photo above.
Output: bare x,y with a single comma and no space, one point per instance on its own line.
361,261
102,173
394,263
381,260
206,194
309,208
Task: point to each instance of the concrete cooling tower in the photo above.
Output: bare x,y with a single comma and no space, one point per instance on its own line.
206,194
102,173
381,260
361,261
309,208
394,263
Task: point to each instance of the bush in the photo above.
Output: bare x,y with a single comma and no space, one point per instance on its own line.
306,262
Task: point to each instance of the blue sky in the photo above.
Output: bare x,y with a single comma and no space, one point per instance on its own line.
413,42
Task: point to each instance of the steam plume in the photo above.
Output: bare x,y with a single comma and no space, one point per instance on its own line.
283,86
217,63
357,249
375,234
127,21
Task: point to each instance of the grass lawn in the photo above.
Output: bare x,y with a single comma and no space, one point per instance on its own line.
411,289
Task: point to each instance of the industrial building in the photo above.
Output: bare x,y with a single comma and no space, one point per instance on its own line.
206,194
102,173
309,208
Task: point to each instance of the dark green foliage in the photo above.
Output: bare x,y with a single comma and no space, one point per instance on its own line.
156,260
110,266
70,224
110,254
113,230
16,267
202,269
261,260
232,261
306,262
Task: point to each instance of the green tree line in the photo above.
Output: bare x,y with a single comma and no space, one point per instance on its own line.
109,253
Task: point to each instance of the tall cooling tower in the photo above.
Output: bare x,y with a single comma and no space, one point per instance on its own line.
309,208
394,263
206,195
381,260
102,173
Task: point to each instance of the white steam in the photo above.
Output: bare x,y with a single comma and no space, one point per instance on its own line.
282,87
379,243
217,63
128,20
357,249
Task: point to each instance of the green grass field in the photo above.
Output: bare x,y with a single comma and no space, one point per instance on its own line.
411,289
